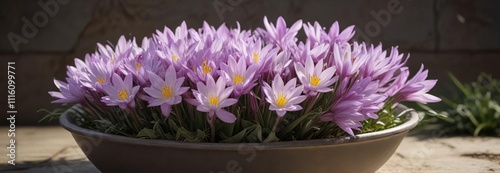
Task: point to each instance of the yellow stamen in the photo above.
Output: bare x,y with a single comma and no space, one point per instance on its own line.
206,68
175,57
100,80
213,100
112,59
138,66
281,101
122,94
314,80
166,92
255,57
238,79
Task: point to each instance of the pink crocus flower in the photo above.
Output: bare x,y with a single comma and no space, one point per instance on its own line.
414,89
212,97
354,104
280,34
98,74
121,92
344,60
316,33
239,75
258,54
337,36
314,78
165,93
202,64
70,92
283,97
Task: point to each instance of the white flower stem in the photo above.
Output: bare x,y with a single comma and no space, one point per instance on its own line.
135,117
311,103
212,128
89,109
276,122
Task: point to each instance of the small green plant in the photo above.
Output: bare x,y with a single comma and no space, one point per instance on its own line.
475,111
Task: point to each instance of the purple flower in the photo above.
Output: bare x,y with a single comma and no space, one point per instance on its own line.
114,57
98,74
167,36
316,52
414,89
280,34
165,93
354,104
176,54
283,97
213,97
239,75
121,92
380,67
70,92
202,65
258,55
344,36
142,60
214,67
314,78
344,61
281,63
317,35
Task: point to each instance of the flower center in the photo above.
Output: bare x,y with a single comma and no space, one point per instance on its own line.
238,79
100,80
138,66
175,57
166,92
206,68
281,101
314,80
213,100
122,94
255,57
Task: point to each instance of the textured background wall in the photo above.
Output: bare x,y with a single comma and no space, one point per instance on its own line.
461,36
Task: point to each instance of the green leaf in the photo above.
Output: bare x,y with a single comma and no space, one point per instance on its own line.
256,134
201,135
183,133
246,123
147,133
459,84
294,124
172,125
236,138
271,138
158,129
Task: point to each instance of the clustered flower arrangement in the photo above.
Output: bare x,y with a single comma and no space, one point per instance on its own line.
232,85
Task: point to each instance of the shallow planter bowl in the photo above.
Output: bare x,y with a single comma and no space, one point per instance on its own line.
363,153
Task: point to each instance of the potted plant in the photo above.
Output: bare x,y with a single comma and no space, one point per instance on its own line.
232,100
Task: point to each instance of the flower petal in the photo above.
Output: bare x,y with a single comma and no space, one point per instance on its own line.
165,109
225,116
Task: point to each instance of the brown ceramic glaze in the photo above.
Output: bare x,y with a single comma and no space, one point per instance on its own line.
362,153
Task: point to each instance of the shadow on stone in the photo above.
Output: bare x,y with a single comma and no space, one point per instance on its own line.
55,166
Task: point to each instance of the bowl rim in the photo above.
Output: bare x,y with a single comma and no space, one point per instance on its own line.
411,122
